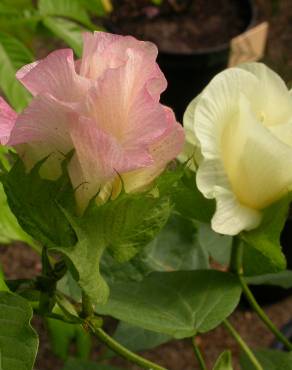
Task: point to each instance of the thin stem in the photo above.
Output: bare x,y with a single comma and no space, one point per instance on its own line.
123,351
236,267
87,308
243,345
262,315
199,355
236,256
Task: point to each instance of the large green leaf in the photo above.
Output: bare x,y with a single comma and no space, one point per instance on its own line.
63,334
190,202
72,9
68,31
262,249
216,245
180,304
18,340
270,360
13,55
281,278
123,225
45,209
137,339
175,248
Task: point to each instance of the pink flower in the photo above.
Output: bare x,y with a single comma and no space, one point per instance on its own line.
105,107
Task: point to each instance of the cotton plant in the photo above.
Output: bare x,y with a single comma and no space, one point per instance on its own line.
122,202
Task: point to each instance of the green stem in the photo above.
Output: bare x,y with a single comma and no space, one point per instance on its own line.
199,355
262,315
122,351
236,267
243,345
236,256
87,308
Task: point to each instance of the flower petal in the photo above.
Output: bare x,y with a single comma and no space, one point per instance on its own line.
272,100
7,120
41,130
231,217
55,75
121,104
162,153
253,156
104,51
218,105
100,157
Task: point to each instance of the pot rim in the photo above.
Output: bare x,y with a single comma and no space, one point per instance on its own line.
222,47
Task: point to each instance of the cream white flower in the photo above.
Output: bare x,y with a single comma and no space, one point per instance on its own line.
242,125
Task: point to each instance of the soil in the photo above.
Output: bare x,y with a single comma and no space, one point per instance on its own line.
19,261
181,26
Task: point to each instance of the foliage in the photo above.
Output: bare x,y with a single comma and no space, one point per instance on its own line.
172,302
18,341
270,360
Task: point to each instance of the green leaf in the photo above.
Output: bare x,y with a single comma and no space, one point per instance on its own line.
282,279
63,334
13,55
77,364
33,201
175,248
269,359
19,4
68,31
216,245
10,230
137,339
190,202
262,250
180,304
99,8
123,226
46,210
224,362
71,9
3,286
18,340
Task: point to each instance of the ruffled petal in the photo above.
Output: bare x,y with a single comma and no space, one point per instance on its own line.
7,121
218,106
54,75
122,106
104,51
256,162
100,157
231,217
162,153
42,130
271,100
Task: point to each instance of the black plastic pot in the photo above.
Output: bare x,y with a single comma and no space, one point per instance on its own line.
188,73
